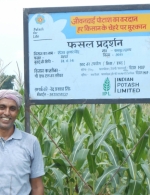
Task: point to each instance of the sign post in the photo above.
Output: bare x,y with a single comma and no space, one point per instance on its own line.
98,54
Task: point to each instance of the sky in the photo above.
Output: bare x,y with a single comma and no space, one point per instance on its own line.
11,26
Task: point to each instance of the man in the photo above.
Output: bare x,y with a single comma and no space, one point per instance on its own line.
21,163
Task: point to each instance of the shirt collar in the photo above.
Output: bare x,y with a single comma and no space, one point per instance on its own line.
16,135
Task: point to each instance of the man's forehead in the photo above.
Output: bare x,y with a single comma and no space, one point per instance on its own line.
8,102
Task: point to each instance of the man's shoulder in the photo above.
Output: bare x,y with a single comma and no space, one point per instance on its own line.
26,136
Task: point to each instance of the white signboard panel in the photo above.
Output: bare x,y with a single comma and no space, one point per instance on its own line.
89,55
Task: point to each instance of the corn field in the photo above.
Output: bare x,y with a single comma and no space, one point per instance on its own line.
92,149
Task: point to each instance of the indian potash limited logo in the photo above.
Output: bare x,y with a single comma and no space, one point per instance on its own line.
106,86
40,19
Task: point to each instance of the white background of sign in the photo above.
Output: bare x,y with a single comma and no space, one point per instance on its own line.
11,27
126,80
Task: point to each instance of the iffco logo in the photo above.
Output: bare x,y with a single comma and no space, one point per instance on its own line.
106,87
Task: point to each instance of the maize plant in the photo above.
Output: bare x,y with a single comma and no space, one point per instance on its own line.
92,149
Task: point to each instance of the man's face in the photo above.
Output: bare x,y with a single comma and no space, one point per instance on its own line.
8,113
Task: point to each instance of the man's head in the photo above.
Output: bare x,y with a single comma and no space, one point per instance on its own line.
10,101
11,94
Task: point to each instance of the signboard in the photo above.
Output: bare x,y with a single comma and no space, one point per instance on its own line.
98,54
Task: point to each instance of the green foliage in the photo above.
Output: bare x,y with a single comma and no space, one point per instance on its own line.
6,81
93,149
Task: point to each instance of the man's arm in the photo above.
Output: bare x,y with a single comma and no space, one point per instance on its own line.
37,187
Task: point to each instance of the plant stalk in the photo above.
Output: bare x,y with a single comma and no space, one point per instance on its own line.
62,152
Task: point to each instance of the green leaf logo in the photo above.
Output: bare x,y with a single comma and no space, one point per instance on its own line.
106,85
